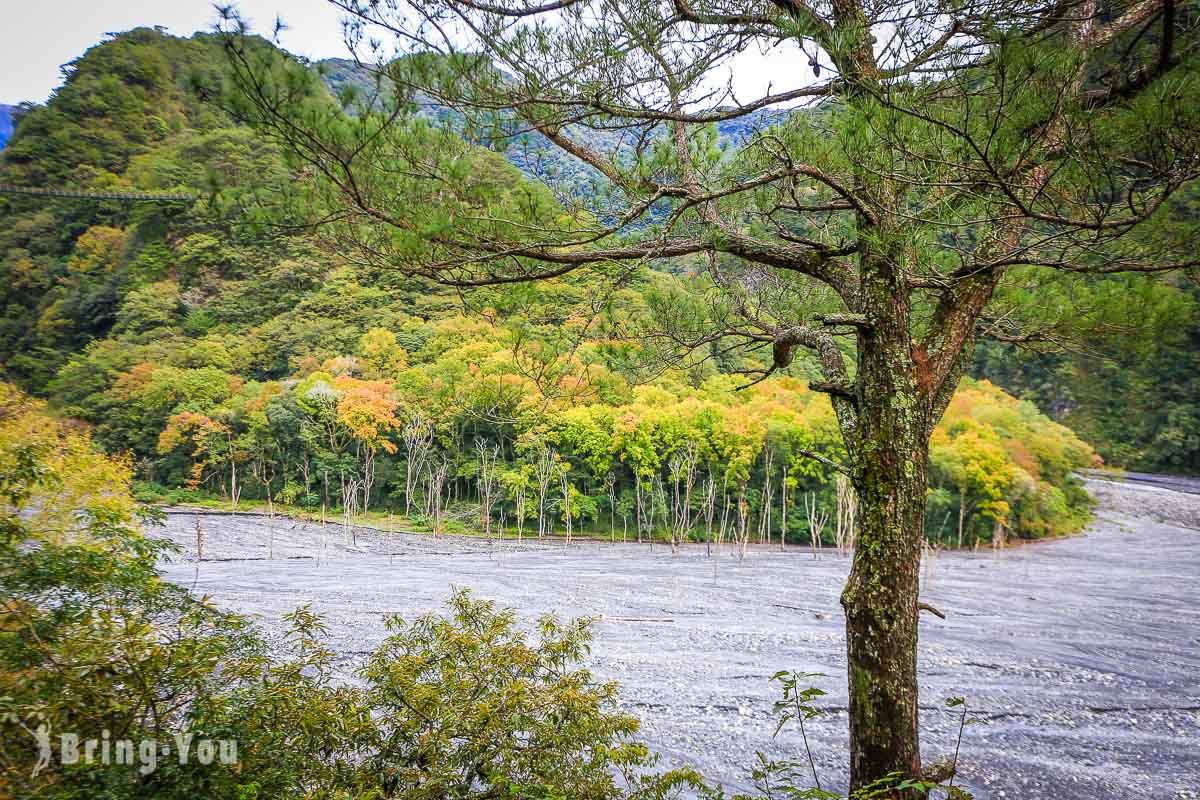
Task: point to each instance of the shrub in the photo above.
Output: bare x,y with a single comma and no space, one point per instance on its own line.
94,643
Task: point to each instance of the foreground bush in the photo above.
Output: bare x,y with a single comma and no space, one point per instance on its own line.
93,644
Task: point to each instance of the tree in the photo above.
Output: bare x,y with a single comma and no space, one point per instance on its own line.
515,483
465,704
973,460
682,467
435,481
418,443
215,445
487,481
568,494
946,152
544,470
381,355
368,410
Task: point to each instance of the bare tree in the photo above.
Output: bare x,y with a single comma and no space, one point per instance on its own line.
768,492
543,471
783,503
306,471
435,482
847,514
743,530
964,513
366,454
323,545
351,485
682,467
519,507
725,509
488,481
624,508
658,503
564,482
610,490
235,488
417,436
929,554
708,509
264,471
816,522
639,505
199,539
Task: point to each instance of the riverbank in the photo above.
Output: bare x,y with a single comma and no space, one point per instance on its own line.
1079,655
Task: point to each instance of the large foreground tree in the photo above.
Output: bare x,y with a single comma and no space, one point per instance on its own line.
917,175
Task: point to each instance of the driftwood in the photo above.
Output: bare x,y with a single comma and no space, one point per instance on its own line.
930,609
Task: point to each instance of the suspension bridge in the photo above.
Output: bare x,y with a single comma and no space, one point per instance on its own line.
150,197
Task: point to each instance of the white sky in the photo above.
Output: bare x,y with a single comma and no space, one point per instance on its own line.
38,36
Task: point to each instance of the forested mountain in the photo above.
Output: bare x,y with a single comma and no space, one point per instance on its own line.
1136,396
529,151
226,350
1136,402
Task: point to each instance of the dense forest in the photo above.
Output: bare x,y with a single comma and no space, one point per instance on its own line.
233,355
256,365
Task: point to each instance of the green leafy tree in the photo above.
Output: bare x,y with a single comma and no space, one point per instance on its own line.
466,707
382,356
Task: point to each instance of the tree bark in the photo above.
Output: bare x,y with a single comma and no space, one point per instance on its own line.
880,602
891,446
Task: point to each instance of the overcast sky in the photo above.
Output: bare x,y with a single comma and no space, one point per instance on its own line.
39,36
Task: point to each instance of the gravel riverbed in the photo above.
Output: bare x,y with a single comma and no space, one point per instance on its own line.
1079,657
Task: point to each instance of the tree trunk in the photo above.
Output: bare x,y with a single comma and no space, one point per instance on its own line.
880,601
891,444
234,491
962,515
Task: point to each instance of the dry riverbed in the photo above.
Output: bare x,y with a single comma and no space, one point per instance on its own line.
1080,657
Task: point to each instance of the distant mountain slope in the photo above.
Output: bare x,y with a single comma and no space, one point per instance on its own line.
6,123
141,112
532,153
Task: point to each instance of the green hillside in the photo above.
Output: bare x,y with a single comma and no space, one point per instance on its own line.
231,353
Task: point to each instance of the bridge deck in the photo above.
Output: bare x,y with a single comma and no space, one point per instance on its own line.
135,196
